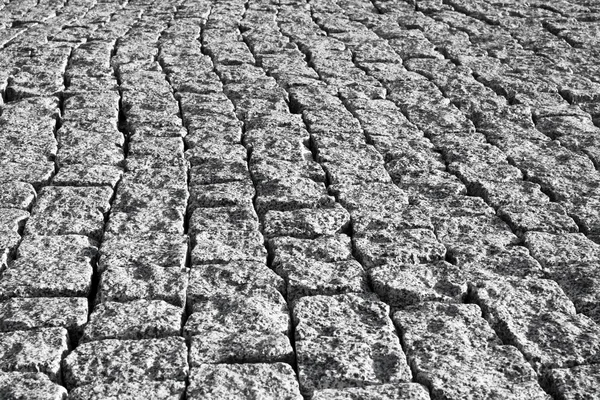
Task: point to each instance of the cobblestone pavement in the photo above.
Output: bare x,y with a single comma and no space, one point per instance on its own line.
299,199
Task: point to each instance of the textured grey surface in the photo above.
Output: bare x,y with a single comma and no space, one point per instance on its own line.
258,188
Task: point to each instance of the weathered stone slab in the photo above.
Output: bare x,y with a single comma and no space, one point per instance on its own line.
234,278
562,249
220,247
338,362
219,171
40,350
396,391
223,218
155,152
324,248
138,319
374,197
401,285
16,194
263,311
29,385
291,194
44,312
158,178
123,390
63,210
88,175
146,221
230,194
474,367
275,381
246,347
114,360
537,317
133,197
50,266
156,250
413,246
313,277
131,283
306,223
580,382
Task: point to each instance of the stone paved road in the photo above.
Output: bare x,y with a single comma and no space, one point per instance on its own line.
292,199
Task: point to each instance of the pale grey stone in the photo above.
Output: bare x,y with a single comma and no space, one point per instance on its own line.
396,391
581,382
39,350
123,390
44,312
221,247
306,223
324,248
275,381
114,360
88,175
30,386
17,195
137,319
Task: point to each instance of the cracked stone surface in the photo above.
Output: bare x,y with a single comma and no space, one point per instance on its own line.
318,199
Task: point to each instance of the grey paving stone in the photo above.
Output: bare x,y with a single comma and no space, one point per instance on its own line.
43,312
549,217
112,360
221,247
247,347
230,194
513,261
397,391
158,178
579,382
475,367
480,231
309,278
291,194
402,285
133,197
324,248
338,362
408,217
207,152
13,219
150,152
70,210
413,246
243,381
166,390
223,218
50,267
561,249
16,194
39,350
146,221
125,284
306,223
219,171
264,311
234,278
88,175
156,250
29,385
138,319
374,196
78,146
36,173
536,316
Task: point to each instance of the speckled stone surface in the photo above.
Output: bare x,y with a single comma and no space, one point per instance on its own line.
113,360
223,218
213,347
306,223
235,278
325,248
138,319
243,381
39,350
70,210
574,383
143,282
396,391
221,247
166,390
262,311
43,312
88,175
156,250
29,385
308,278
472,368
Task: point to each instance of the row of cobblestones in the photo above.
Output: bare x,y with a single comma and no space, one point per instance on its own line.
299,199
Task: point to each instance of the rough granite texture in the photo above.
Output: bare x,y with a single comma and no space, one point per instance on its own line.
318,199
